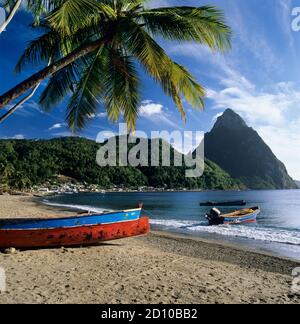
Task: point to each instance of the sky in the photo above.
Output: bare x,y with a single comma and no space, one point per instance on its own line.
259,78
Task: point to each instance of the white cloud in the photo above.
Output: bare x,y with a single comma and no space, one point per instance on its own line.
156,113
258,106
56,126
102,115
19,137
285,143
217,116
149,109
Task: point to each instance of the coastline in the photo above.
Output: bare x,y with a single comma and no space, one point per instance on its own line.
159,268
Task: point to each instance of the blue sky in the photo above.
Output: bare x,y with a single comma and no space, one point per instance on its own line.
259,78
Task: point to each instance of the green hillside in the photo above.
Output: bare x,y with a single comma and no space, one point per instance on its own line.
25,163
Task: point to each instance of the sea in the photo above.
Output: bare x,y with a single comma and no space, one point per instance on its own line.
277,230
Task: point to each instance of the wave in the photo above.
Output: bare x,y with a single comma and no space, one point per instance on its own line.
79,207
240,231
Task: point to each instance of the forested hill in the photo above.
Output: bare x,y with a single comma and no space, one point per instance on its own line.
25,163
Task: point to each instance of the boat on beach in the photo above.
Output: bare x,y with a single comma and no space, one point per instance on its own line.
72,231
247,215
73,236
224,203
82,220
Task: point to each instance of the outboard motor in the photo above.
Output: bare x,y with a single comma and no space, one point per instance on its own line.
214,215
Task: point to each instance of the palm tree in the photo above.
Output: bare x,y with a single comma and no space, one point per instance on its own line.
96,47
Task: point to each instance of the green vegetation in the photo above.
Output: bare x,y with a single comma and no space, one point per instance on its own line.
25,163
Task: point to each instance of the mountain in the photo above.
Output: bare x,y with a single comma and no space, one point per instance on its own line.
240,151
25,163
297,183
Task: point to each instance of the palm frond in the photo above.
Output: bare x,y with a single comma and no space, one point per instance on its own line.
175,80
73,15
59,86
205,25
41,7
39,51
122,88
85,100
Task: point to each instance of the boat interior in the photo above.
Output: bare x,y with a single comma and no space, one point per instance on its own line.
243,212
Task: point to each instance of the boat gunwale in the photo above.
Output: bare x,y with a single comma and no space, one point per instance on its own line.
67,218
67,227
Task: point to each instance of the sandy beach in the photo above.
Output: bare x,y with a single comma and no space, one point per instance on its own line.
159,268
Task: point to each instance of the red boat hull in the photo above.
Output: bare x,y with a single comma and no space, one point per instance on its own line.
73,236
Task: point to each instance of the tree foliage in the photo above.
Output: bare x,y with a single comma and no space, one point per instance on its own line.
25,163
108,75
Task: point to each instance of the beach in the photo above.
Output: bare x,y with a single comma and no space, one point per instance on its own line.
158,268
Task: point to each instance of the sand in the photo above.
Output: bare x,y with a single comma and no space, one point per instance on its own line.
159,268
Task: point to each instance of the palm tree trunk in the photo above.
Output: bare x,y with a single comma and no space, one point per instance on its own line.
38,77
10,16
19,104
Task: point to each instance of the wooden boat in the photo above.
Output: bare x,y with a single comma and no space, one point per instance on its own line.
72,236
82,220
224,203
247,215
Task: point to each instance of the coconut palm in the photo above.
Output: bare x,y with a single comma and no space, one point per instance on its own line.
97,47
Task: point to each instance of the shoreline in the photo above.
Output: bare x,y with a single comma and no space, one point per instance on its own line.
159,268
110,191
213,241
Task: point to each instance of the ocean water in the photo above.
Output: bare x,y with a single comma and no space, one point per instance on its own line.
277,229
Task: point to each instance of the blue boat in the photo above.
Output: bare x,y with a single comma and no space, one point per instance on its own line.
82,220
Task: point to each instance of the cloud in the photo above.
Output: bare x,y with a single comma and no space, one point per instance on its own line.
217,116
258,106
56,126
156,113
102,115
285,143
148,108
19,137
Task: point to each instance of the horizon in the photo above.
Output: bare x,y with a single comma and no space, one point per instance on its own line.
256,79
